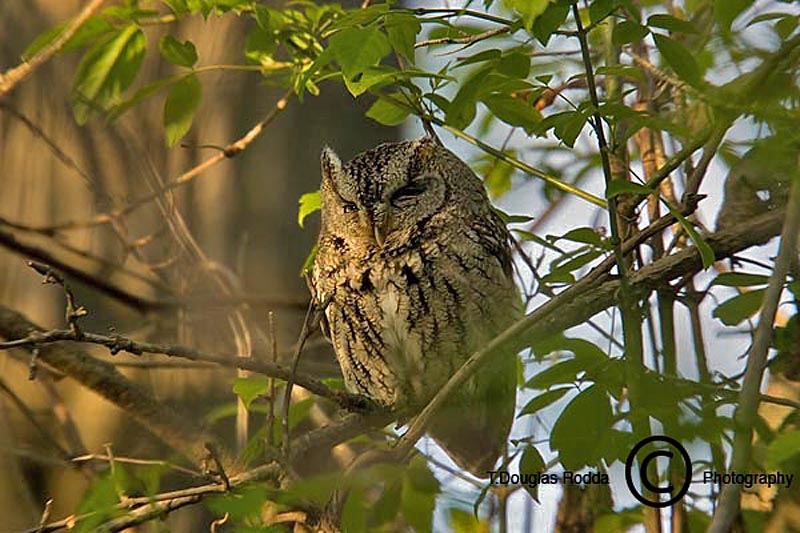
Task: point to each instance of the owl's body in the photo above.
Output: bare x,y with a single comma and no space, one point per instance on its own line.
416,269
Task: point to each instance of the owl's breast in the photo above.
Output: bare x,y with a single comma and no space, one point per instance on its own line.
402,324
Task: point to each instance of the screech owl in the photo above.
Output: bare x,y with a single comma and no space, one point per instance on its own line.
415,266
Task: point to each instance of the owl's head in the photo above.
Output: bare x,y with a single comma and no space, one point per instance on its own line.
384,193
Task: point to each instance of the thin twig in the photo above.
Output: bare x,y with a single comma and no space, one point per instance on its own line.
230,151
312,317
467,41
135,461
118,344
48,507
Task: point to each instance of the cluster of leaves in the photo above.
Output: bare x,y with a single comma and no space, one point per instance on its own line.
501,81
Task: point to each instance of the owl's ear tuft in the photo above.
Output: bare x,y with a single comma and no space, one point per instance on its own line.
330,163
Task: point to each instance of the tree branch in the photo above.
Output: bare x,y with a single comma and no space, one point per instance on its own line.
749,397
10,78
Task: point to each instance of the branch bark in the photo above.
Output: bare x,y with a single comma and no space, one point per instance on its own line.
749,397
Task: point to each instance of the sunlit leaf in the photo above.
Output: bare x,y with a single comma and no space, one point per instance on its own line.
309,203
89,31
250,388
179,108
179,53
386,111
106,70
402,29
357,49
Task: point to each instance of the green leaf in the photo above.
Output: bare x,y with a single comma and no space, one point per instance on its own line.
740,307
513,111
465,522
784,447
309,203
178,53
402,29
179,108
785,27
543,400
497,177
89,31
740,279
628,31
529,9
371,77
240,503
354,513
514,65
100,500
726,11
600,9
619,521
387,112
531,462
106,70
549,21
558,374
492,54
148,90
706,252
250,388
567,125
179,7
357,49
617,187
418,497
387,507
679,58
668,22
461,111
586,235
581,427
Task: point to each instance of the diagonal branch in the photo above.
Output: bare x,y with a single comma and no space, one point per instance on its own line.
10,78
749,397
34,336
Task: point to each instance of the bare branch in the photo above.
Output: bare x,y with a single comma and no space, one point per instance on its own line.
118,344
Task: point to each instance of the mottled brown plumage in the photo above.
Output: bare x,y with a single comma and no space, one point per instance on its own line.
416,267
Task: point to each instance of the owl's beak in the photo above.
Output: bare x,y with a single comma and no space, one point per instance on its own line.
380,226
